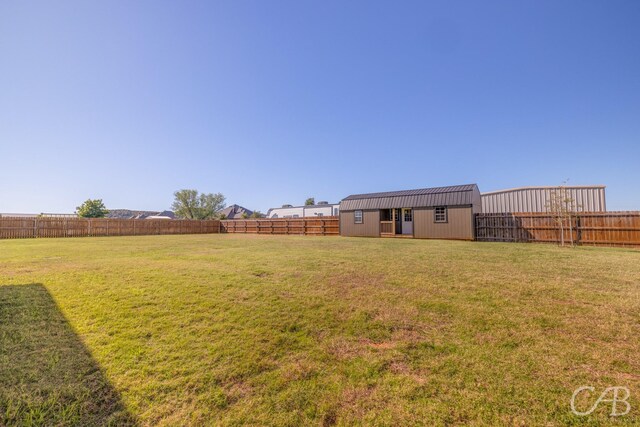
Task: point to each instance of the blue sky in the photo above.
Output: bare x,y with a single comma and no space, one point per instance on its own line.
272,102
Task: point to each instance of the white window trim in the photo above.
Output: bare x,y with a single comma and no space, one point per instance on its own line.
355,217
446,214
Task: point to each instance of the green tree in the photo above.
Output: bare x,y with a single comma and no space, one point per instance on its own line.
190,204
257,214
92,209
310,201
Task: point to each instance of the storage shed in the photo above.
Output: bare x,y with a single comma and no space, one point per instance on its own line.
428,213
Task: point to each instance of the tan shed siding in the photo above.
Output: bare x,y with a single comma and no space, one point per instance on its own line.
370,226
459,225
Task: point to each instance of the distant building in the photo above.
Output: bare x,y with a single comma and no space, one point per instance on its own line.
58,215
235,212
44,214
130,214
319,209
586,198
162,215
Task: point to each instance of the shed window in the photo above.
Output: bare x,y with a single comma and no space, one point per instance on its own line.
440,214
357,216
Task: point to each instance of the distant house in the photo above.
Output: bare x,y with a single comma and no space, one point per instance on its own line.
319,209
129,214
235,212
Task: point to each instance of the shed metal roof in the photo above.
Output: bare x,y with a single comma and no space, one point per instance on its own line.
438,196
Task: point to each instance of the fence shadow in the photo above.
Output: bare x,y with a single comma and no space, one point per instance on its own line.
47,375
502,228
519,232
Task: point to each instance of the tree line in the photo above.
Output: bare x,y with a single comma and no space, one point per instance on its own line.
187,204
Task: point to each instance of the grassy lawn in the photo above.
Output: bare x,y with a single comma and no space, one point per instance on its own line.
261,330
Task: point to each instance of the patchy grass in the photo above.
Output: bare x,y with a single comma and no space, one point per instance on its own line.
241,329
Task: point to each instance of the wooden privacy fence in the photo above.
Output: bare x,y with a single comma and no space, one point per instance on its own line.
309,226
19,227
583,228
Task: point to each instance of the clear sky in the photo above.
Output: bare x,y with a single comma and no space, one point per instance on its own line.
270,102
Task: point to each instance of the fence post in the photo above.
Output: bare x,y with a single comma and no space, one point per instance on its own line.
475,226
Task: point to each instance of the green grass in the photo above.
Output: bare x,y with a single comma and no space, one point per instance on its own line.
261,330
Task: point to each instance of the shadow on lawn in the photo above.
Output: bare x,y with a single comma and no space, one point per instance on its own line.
47,375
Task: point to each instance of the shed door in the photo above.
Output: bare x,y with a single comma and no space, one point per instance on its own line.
407,221
396,217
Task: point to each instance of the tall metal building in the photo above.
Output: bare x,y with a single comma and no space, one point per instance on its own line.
587,198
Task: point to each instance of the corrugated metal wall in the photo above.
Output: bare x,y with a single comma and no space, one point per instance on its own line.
535,199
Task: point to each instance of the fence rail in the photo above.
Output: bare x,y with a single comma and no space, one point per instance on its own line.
308,226
583,228
20,227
